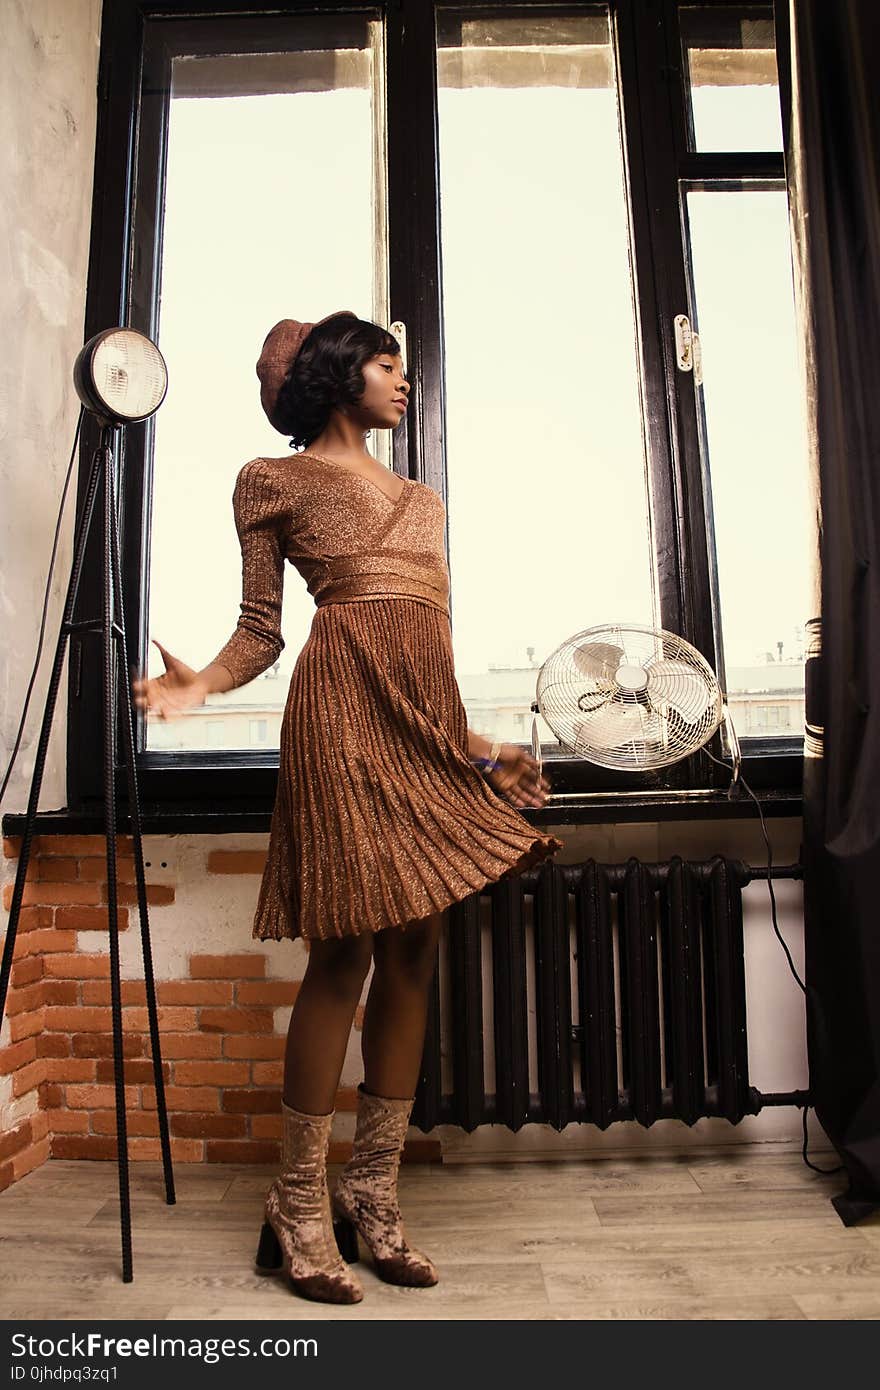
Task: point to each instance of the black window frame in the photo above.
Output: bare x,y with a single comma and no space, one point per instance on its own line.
121,289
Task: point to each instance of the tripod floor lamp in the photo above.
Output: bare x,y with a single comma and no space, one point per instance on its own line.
121,379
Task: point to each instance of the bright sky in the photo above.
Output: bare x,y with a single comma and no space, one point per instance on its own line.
547,500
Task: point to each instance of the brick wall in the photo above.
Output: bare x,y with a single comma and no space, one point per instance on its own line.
224,1002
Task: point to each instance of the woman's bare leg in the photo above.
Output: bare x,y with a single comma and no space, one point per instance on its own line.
320,1024
397,1006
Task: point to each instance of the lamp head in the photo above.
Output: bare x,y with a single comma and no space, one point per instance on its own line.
120,376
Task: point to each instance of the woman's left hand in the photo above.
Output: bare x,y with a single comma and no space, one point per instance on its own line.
517,777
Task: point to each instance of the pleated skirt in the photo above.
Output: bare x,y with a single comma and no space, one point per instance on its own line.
380,818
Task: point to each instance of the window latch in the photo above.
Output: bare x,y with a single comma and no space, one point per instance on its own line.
688,352
684,343
398,331
697,355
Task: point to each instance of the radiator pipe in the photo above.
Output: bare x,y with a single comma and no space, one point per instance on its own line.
778,871
616,874
798,1098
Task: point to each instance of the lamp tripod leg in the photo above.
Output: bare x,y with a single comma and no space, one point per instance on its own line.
137,841
109,690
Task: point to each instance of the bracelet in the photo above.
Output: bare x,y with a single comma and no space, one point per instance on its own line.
493,761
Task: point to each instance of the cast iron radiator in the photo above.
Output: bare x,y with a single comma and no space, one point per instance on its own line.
610,992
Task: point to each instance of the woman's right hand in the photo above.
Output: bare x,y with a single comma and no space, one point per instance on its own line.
518,777
169,696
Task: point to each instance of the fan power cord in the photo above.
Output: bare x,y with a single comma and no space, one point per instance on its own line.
837,1169
27,697
773,914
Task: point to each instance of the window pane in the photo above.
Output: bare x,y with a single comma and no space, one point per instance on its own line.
262,221
731,78
547,497
757,456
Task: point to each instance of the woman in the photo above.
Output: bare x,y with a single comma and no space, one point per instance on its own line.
381,819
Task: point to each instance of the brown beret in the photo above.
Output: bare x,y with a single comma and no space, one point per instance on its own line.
282,344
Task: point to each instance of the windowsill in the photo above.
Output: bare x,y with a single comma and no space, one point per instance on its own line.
575,808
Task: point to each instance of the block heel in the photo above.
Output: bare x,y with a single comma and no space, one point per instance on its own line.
346,1238
269,1256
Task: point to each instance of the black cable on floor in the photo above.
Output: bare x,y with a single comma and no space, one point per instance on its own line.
838,1169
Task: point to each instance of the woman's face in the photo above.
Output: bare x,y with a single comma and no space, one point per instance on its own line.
386,391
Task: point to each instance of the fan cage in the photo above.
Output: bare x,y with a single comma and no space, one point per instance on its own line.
628,697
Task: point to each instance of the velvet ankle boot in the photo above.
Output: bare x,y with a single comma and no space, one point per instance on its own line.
365,1196
297,1237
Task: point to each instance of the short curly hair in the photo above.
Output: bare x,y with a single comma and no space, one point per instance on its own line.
327,372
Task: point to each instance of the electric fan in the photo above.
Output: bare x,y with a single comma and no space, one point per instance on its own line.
631,698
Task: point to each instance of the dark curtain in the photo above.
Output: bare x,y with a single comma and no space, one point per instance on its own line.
833,170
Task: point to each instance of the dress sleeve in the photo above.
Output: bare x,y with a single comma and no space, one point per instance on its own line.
256,642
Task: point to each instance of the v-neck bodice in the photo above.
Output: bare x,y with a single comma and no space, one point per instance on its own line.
350,541
353,473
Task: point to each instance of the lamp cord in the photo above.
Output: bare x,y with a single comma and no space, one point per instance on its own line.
782,941
45,604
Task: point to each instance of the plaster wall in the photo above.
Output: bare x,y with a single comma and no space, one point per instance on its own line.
48,74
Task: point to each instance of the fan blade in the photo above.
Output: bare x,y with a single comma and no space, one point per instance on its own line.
611,726
681,687
597,659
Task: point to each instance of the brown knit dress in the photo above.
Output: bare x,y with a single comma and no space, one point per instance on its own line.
380,817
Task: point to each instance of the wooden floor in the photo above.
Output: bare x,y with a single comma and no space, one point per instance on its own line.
732,1235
